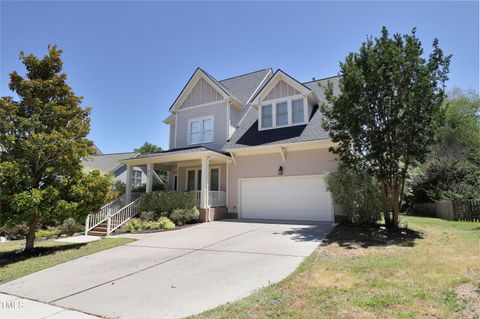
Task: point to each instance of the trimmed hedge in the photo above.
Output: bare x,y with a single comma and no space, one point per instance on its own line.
184,216
164,202
136,224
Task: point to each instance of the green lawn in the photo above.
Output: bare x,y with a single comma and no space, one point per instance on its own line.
15,264
431,270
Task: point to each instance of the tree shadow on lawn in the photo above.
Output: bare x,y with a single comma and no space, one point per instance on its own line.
14,256
352,237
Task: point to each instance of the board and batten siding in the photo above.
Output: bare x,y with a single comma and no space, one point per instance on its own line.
219,113
172,137
202,93
280,90
311,162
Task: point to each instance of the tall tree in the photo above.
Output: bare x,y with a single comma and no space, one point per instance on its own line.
148,148
458,136
387,111
452,171
43,139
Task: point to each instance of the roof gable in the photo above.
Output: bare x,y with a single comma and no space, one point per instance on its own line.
213,90
280,85
281,89
202,93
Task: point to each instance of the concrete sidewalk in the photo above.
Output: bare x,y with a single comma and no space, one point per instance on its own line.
21,308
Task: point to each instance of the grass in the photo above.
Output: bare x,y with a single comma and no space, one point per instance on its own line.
367,272
47,253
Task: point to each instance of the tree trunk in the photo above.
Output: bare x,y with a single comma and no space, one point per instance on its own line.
395,204
386,206
30,240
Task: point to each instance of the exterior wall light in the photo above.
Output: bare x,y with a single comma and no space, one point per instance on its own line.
280,170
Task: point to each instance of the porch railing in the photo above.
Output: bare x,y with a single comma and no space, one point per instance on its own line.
121,216
106,211
215,198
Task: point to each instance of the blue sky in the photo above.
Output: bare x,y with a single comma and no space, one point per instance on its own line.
129,60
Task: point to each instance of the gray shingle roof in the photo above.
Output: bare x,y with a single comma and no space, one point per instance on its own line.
313,131
243,86
108,163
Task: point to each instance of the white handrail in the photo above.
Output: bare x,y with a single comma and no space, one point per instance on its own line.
120,217
107,210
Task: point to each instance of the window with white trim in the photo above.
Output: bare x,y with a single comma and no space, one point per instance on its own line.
266,116
298,111
283,112
200,130
137,178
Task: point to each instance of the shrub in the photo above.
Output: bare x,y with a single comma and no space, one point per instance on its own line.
166,223
119,187
184,216
164,202
15,232
69,226
133,225
359,194
48,233
148,216
136,224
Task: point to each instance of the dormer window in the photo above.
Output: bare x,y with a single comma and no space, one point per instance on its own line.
266,117
298,111
200,130
283,112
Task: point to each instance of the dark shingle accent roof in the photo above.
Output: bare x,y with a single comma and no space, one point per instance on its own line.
312,131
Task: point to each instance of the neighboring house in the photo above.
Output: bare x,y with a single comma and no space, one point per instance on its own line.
252,145
111,164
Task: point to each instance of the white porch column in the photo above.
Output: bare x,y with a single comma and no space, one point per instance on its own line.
128,184
149,177
205,186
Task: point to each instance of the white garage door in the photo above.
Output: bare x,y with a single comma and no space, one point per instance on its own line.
285,198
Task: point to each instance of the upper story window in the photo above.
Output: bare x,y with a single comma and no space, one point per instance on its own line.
200,130
283,112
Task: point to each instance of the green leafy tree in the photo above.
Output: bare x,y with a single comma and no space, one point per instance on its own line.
452,171
458,136
387,111
148,148
43,139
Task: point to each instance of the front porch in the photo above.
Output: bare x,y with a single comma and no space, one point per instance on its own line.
198,170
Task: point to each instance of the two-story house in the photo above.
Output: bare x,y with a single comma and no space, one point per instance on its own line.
250,145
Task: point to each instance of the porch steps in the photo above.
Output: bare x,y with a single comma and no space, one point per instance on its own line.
99,230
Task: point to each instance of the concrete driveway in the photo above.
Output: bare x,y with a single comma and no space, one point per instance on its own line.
177,273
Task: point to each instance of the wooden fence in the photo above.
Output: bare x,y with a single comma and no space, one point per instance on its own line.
464,210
